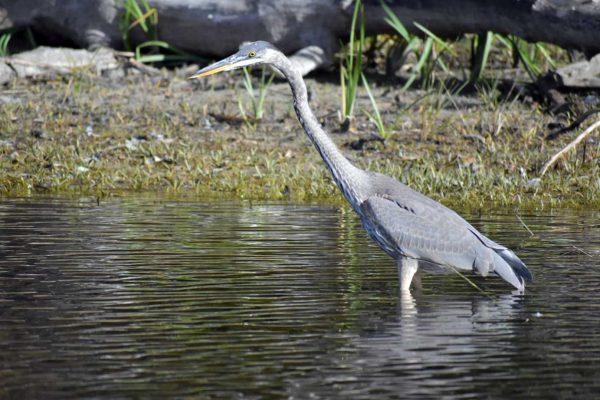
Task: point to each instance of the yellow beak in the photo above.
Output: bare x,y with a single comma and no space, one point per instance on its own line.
227,64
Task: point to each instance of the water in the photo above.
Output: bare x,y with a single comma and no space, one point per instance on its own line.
135,298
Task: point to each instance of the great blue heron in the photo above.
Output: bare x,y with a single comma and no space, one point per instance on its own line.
410,227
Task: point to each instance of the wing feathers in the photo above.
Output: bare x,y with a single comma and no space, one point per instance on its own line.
440,236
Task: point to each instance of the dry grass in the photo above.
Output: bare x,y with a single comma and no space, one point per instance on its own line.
95,135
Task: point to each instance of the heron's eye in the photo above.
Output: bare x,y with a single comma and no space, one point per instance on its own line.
252,54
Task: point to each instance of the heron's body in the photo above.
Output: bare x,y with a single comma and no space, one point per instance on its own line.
407,225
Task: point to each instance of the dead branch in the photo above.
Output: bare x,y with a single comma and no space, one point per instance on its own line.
570,146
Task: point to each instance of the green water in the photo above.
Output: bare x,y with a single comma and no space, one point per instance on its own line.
138,298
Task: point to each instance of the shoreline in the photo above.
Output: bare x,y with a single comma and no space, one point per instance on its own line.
95,135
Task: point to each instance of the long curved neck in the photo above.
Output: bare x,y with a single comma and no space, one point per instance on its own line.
348,178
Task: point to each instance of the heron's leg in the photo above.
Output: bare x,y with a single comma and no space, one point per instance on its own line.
406,270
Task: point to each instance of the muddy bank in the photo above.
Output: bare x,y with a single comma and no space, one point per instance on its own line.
126,130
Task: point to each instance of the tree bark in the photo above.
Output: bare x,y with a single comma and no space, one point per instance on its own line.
573,24
216,28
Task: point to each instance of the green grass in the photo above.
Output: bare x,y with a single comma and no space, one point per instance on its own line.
482,46
433,54
4,39
177,153
138,14
375,117
534,57
257,97
424,50
174,54
351,63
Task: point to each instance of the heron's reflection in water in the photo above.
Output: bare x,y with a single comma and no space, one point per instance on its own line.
436,345
441,337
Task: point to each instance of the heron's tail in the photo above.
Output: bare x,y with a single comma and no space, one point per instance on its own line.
510,268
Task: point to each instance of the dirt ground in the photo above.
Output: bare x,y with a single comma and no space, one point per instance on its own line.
127,130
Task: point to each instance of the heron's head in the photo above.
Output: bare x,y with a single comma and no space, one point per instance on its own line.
254,53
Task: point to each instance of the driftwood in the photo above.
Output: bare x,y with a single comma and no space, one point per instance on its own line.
568,147
560,131
216,28
43,61
582,74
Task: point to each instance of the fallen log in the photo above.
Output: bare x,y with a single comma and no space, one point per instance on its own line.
215,28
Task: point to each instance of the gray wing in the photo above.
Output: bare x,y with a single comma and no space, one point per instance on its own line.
403,231
406,223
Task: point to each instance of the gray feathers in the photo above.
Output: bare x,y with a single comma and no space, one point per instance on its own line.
406,223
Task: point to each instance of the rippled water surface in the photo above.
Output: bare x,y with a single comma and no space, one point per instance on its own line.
138,298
